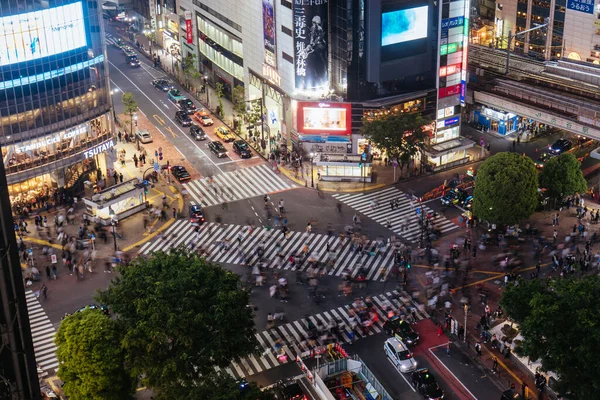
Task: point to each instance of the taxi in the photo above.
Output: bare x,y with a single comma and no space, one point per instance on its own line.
399,355
225,134
203,117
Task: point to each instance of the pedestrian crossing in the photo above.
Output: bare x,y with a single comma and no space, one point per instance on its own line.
277,248
404,220
235,185
42,332
295,334
110,39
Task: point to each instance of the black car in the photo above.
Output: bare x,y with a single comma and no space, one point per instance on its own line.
402,330
218,148
560,146
426,384
186,105
183,118
242,149
180,173
197,132
511,394
162,84
133,61
196,215
454,196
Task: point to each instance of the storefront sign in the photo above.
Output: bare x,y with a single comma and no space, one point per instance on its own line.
172,26
325,118
449,70
310,44
189,30
269,32
451,121
586,6
449,91
597,22
463,72
453,22
101,148
152,4
327,148
450,48
51,140
271,74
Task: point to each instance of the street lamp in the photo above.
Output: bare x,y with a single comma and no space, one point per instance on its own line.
511,37
312,174
113,222
206,90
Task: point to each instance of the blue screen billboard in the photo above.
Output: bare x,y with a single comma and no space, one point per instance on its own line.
38,34
404,25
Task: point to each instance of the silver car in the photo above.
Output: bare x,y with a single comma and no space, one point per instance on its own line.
144,136
399,355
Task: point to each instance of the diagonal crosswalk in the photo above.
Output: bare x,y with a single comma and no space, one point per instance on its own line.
277,248
235,185
42,332
109,39
295,334
403,219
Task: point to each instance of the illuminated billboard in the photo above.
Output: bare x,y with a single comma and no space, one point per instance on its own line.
311,46
404,25
39,34
269,32
325,118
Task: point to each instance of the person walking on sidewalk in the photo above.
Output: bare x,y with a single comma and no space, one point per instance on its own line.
494,365
44,291
48,273
478,348
121,177
135,160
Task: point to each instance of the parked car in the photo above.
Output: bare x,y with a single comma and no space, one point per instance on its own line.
196,215
217,148
399,355
205,120
175,95
183,118
242,149
197,132
162,84
180,173
560,146
425,383
144,136
225,134
186,105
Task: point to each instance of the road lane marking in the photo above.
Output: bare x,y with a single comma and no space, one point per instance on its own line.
159,119
179,151
448,369
161,110
168,128
401,374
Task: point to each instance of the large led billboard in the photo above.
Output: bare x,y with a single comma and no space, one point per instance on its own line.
325,118
39,34
404,25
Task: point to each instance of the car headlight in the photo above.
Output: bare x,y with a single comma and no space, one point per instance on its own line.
403,367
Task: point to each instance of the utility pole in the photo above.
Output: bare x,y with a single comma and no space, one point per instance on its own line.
466,307
511,37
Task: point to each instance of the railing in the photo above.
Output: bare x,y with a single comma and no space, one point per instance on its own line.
367,375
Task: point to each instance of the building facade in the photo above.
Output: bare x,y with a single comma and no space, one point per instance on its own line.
573,31
56,124
316,68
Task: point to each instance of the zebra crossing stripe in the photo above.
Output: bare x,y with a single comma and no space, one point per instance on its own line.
181,234
236,185
295,336
42,334
403,219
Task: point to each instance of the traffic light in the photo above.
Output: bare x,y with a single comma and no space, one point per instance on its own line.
408,265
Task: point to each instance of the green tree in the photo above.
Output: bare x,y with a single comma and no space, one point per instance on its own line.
91,361
400,135
506,189
217,387
130,107
238,97
183,316
189,68
219,93
561,329
562,176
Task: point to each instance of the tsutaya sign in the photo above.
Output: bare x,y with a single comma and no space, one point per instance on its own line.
101,148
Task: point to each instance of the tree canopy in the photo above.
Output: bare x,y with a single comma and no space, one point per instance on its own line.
130,107
560,320
400,135
182,317
505,189
188,65
91,361
562,176
217,387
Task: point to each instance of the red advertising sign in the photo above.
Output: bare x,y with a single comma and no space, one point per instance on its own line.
324,117
449,69
189,34
449,91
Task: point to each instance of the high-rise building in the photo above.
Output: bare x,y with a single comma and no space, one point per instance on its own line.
56,124
316,68
573,28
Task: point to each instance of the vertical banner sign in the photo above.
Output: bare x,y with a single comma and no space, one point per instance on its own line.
310,44
269,32
189,30
153,13
463,72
